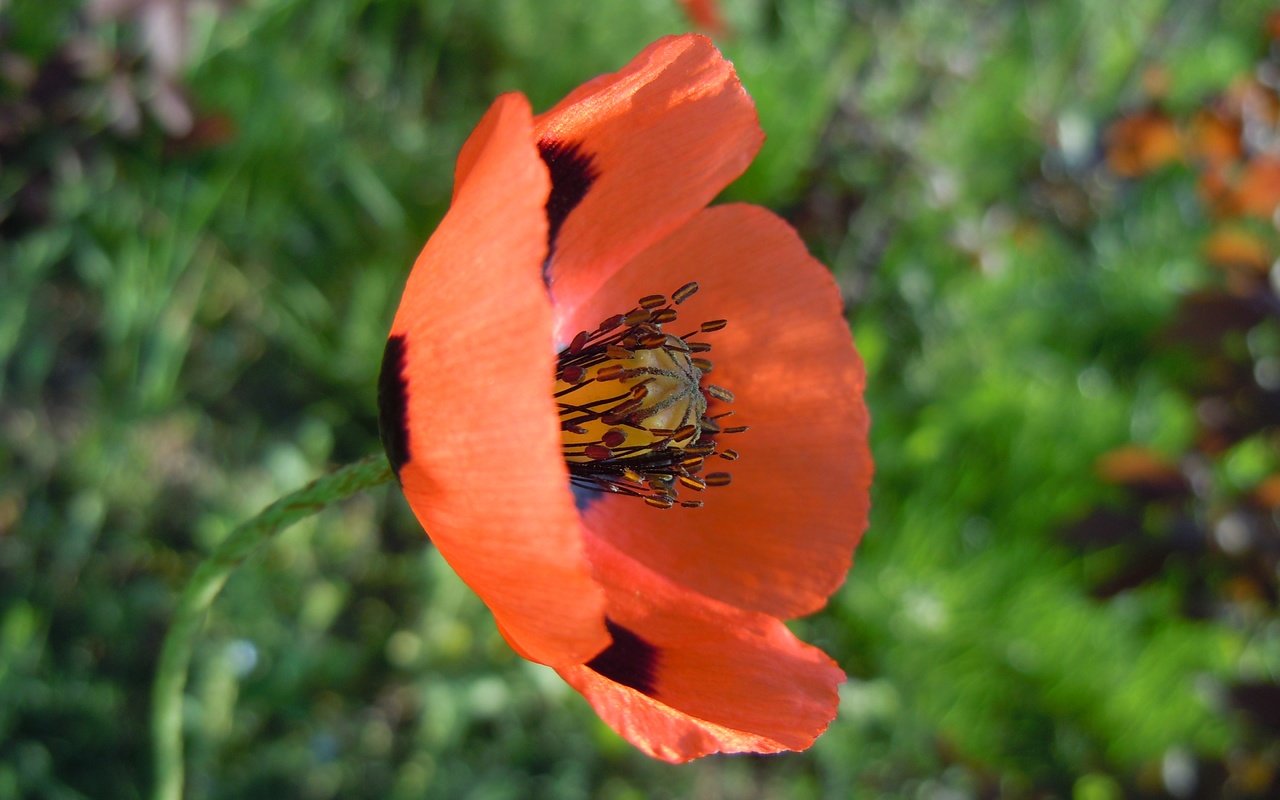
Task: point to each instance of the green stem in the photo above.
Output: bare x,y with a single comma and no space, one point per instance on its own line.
209,577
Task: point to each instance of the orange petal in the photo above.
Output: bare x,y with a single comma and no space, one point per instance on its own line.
705,14
1142,142
687,676
466,406
1217,192
635,154
1267,492
1259,187
1235,247
780,538
1215,137
1143,471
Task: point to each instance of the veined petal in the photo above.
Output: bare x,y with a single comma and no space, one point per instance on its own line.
635,154
466,400
687,676
780,538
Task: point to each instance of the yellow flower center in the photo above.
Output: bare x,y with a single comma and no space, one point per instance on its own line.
634,408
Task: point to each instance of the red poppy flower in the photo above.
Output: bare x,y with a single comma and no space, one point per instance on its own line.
544,404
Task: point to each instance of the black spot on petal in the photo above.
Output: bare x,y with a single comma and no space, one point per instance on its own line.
629,660
393,404
573,171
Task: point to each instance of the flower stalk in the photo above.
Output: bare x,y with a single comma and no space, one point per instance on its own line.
203,588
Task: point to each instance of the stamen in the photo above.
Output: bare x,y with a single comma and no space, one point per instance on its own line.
684,292
633,409
693,483
719,392
637,317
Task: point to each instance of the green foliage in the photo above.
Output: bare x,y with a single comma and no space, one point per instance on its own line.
191,326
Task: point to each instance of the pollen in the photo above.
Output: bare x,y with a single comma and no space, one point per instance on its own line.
634,407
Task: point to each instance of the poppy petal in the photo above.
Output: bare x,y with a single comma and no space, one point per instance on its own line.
705,14
780,538
687,676
466,401
647,147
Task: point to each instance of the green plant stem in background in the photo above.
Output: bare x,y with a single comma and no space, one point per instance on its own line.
208,580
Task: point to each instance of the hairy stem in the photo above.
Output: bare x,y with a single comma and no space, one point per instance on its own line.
209,577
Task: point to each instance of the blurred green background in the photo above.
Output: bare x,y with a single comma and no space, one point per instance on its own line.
1068,588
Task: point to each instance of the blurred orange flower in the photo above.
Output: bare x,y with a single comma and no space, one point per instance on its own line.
1142,142
551,424
705,14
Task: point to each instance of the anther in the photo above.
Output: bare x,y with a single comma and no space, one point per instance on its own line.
736,429
610,323
719,479
692,464
685,292
696,484
613,438
619,413
729,455
719,392
703,364
713,325
652,301
636,317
